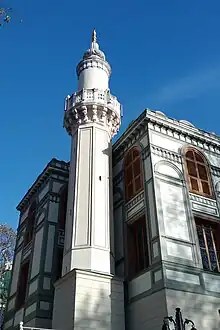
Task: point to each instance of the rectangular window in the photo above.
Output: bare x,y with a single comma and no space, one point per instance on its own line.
22,285
138,258
208,236
29,231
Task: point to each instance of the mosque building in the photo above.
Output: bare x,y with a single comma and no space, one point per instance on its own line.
124,233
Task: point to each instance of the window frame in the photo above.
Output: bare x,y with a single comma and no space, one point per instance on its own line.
197,178
134,252
19,303
30,223
203,223
140,175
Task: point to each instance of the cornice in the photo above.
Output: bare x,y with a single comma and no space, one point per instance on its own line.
135,131
184,132
176,129
53,166
166,154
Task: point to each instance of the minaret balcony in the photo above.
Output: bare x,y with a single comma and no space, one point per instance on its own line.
93,96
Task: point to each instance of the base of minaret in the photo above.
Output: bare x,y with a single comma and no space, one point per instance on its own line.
88,300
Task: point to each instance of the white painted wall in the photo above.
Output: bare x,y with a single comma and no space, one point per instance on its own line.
174,211
139,284
147,312
87,244
93,77
93,301
202,309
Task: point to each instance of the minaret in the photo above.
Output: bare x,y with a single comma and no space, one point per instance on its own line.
92,118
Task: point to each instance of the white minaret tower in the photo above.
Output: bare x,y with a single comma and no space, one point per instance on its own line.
92,118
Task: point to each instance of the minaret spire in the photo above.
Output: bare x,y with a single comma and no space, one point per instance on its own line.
94,37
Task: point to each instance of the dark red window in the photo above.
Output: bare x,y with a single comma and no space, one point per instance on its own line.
138,258
30,221
133,173
22,285
198,173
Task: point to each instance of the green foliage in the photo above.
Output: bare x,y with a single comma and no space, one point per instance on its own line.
7,245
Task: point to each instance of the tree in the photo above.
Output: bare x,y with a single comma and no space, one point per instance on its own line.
7,245
5,16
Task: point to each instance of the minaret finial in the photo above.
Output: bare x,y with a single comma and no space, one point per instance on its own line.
94,38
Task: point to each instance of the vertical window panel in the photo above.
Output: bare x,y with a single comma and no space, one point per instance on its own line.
198,173
138,258
30,222
22,285
208,236
133,173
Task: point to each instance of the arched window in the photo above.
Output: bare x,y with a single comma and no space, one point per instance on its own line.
133,173
198,173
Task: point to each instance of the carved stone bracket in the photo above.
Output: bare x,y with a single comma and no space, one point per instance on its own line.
92,106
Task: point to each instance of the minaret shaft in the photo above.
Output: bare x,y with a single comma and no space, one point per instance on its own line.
88,222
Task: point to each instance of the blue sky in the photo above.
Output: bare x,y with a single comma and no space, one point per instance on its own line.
164,55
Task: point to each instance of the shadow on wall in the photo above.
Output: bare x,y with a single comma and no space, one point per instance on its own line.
185,287
201,309
100,311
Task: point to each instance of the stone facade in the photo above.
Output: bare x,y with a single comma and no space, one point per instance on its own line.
141,221
40,252
175,275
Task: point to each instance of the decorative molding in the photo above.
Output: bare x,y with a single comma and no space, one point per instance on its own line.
166,154
202,200
93,63
132,136
215,171
54,198
134,201
54,165
181,131
203,204
178,130
92,106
